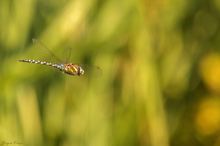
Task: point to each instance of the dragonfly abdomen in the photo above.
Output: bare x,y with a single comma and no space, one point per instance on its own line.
58,66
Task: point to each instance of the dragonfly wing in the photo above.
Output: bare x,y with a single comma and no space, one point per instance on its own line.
92,70
41,46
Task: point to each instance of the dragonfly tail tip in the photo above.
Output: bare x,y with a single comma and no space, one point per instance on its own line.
21,60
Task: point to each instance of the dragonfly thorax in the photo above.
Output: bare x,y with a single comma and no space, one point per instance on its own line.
73,69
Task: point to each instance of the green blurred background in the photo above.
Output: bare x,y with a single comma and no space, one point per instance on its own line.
160,73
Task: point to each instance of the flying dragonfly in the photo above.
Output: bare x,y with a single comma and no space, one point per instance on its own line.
68,68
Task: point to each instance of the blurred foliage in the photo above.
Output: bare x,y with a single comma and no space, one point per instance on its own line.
160,73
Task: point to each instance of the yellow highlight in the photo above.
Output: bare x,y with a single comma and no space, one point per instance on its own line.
208,117
210,71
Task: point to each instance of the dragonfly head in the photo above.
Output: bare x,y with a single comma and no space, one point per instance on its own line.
80,71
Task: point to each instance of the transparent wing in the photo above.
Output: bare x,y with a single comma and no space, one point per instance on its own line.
40,45
68,55
92,70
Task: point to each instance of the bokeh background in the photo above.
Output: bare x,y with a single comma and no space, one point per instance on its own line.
160,73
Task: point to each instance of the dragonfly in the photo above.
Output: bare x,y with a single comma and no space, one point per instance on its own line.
67,68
